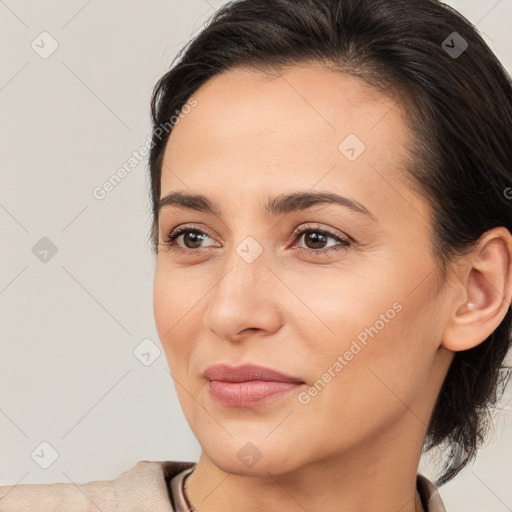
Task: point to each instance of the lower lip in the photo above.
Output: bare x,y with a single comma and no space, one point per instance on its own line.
249,393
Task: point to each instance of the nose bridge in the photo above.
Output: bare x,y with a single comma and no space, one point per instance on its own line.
239,299
244,263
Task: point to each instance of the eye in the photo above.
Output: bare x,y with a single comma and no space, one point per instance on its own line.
192,238
315,236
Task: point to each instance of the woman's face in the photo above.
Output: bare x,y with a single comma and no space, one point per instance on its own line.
355,314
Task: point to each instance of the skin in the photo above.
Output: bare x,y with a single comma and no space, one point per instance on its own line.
356,445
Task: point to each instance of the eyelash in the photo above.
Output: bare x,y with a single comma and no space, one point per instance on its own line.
170,242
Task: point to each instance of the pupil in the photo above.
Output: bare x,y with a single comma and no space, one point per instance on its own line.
194,237
315,238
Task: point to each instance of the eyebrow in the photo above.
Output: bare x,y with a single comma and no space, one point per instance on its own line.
285,203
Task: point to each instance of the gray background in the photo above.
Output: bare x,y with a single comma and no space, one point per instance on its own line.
70,324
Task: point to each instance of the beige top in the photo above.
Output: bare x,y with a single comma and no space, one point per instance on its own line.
149,486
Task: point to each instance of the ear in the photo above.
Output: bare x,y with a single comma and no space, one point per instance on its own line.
483,292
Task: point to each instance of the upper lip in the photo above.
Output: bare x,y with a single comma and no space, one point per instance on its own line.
246,372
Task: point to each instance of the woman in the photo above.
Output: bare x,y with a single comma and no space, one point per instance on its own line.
331,224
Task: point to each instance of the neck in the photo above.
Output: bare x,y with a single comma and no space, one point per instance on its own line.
379,476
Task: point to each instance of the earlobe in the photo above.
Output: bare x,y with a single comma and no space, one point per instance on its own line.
484,292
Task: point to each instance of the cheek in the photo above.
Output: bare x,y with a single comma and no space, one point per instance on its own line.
174,295
172,314
361,389
171,320
165,287
377,340
346,305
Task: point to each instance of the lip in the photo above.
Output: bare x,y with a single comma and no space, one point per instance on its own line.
248,385
246,372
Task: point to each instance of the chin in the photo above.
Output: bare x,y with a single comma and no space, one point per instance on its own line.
263,467
253,458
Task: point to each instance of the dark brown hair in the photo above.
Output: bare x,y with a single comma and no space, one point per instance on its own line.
458,103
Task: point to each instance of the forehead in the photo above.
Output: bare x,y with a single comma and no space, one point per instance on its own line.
252,133
301,101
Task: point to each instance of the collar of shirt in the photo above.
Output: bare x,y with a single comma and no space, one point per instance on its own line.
148,485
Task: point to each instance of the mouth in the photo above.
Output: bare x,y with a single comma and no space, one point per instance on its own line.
248,385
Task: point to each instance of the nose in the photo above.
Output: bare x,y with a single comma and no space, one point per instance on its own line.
244,300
